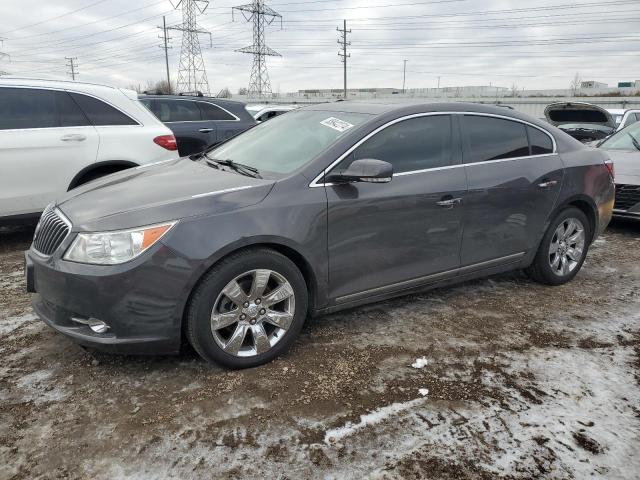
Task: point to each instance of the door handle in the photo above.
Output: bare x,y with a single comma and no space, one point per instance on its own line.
206,130
548,183
449,202
73,137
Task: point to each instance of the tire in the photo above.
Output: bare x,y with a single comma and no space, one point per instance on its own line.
548,266
272,301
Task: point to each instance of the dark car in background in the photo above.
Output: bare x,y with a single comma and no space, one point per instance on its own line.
325,208
199,122
585,122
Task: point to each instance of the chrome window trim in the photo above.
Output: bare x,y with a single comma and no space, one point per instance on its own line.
236,118
316,181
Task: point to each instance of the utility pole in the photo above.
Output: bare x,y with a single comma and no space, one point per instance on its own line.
192,74
438,81
72,65
404,75
343,41
166,38
260,14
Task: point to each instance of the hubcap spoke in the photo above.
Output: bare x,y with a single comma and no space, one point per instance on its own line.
276,296
221,320
554,263
279,319
564,267
577,237
553,248
235,341
260,338
574,254
260,280
235,293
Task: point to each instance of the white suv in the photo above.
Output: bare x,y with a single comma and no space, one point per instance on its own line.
56,135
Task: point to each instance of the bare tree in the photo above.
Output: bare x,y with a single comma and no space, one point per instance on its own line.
242,91
575,84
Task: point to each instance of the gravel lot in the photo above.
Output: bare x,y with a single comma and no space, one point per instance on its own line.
521,381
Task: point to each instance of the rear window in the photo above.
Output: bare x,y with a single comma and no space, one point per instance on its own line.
213,112
490,138
100,113
38,108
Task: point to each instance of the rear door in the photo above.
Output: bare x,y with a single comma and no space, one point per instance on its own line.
386,237
45,140
514,179
225,123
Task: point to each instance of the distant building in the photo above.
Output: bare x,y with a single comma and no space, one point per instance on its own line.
593,84
629,84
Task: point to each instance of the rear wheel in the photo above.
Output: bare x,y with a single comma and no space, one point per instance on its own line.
248,309
563,248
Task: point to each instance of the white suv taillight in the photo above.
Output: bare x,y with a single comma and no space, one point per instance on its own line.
166,141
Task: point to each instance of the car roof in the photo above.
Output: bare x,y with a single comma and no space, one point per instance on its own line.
218,101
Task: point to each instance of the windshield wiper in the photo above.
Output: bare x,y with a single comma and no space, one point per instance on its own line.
238,167
635,141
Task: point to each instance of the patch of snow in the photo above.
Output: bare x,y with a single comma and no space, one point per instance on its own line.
372,418
423,391
10,324
420,362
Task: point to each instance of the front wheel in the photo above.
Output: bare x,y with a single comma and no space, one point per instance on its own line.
563,248
248,309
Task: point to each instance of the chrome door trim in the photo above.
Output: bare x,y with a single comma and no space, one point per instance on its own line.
416,282
316,182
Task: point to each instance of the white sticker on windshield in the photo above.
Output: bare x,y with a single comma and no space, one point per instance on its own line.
336,124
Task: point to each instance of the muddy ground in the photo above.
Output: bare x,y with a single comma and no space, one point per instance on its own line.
521,381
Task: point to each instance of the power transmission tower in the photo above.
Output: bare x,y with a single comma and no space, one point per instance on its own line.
343,41
192,75
72,66
260,14
166,39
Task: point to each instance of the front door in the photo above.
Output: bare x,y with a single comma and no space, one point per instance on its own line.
514,180
385,237
45,140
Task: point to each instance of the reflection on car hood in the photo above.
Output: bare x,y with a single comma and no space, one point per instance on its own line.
627,166
156,193
576,112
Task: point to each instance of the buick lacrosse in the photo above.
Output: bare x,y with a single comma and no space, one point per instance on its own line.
325,208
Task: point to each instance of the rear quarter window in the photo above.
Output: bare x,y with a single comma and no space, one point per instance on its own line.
540,142
491,138
214,112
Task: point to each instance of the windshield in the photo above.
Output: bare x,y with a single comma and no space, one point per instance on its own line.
626,139
287,142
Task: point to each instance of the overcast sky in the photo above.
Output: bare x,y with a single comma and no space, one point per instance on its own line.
534,44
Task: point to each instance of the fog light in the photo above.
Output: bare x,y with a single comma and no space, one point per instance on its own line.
94,324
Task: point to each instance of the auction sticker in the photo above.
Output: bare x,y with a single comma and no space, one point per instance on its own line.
336,124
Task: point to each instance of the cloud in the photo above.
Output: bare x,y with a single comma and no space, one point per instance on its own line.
464,42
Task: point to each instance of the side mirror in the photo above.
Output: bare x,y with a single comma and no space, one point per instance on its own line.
364,170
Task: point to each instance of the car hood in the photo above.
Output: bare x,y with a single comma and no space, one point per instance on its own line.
626,164
575,112
157,193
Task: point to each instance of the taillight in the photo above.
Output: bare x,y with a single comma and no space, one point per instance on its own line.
610,167
166,141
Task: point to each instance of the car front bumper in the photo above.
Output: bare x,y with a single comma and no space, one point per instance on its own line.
141,301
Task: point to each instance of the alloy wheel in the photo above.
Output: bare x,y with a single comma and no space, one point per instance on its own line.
567,246
252,313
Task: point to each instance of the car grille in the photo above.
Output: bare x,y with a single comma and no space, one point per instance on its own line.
50,232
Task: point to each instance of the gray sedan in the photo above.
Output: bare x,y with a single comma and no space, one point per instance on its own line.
325,208
624,149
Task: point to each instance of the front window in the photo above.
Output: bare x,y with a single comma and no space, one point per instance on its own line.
626,139
288,142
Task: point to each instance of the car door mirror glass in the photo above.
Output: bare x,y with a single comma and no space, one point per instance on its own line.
364,170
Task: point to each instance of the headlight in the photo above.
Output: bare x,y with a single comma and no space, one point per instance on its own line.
111,248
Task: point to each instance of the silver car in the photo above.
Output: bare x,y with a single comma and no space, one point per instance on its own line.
624,149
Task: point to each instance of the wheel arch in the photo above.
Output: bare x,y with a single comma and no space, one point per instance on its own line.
280,245
587,206
120,164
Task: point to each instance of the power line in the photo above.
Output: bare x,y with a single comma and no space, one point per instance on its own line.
260,14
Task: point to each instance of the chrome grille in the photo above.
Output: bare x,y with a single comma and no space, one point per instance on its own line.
626,196
50,232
